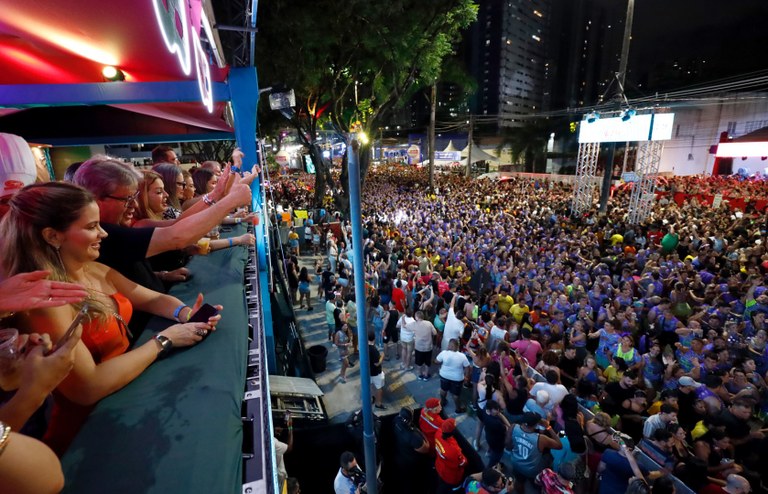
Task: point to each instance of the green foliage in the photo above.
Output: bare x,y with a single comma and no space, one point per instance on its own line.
360,57
527,142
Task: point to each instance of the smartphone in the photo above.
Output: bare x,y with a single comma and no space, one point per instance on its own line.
72,327
205,312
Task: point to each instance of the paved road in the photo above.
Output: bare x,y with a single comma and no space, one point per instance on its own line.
402,386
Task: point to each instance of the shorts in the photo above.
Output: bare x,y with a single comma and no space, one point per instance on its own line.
303,287
453,387
423,358
378,381
475,376
393,335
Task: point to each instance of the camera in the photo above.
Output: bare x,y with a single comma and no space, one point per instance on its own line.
358,477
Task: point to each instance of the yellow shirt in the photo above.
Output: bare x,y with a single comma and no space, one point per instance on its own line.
518,310
611,374
505,303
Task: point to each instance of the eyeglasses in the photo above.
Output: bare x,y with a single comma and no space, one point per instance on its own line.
127,199
183,185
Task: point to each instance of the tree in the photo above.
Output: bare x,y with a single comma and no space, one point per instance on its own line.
352,62
209,150
528,142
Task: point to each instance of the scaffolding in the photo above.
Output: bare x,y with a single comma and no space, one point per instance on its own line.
643,191
586,178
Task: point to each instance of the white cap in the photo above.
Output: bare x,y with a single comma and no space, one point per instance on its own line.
17,164
688,381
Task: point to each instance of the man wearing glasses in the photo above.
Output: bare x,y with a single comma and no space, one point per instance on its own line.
115,187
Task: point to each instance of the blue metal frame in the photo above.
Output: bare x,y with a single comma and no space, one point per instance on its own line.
105,93
244,91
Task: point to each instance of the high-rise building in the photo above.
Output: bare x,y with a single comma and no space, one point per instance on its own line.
507,55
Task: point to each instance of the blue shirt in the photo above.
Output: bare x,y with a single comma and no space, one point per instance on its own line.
615,477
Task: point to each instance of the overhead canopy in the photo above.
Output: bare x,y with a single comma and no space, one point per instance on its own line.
754,144
70,42
478,154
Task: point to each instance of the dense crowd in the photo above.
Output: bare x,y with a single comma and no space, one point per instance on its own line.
648,338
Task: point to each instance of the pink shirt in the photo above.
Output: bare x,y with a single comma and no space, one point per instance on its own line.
529,349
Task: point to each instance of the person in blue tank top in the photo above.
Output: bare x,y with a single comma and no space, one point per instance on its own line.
531,438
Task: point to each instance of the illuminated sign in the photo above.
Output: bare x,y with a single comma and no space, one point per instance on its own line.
637,128
448,155
182,40
741,149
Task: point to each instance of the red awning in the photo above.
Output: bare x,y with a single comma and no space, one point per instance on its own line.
70,41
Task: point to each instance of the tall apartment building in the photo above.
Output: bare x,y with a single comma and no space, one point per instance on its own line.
507,55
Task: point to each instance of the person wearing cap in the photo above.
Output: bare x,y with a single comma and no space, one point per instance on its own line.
17,168
496,430
529,446
430,421
450,461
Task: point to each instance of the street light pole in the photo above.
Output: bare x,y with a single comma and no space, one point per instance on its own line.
620,78
355,218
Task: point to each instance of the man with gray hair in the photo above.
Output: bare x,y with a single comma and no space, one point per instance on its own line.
736,484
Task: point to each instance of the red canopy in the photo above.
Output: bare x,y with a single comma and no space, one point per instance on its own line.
70,41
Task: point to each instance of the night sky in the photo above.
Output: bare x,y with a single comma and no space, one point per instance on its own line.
731,36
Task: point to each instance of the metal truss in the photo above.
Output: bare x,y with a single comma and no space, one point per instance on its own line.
643,191
586,178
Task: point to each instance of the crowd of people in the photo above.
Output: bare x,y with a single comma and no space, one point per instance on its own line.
105,244
645,338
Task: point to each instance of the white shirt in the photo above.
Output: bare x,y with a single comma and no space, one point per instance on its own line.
343,484
423,332
453,366
453,329
406,333
556,393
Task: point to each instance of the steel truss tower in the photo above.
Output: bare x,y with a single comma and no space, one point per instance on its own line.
586,178
643,191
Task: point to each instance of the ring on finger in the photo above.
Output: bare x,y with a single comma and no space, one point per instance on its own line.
201,332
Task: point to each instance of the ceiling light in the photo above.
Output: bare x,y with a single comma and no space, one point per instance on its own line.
592,116
112,73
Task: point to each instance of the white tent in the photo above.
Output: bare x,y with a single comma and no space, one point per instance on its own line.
478,154
450,147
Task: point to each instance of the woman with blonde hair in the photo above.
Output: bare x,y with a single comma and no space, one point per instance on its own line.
54,226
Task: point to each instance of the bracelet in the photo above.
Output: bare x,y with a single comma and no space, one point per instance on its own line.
238,221
230,242
5,433
207,199
178,311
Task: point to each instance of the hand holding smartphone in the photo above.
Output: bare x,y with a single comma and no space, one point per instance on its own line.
72,327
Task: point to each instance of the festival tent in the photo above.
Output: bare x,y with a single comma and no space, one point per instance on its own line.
478,154
450,147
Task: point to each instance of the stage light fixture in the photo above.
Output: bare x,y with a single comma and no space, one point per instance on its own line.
592,117
112,73
627,114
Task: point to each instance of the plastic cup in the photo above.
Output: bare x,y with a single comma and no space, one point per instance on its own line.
205,245
9,351
214,233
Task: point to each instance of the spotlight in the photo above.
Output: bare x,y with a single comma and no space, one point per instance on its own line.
627,114
111,73
592,117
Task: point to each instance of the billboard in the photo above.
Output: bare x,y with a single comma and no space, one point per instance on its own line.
637,128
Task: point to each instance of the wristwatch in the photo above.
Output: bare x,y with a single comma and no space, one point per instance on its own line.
165,345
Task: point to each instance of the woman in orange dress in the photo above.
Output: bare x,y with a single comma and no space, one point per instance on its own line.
55,227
